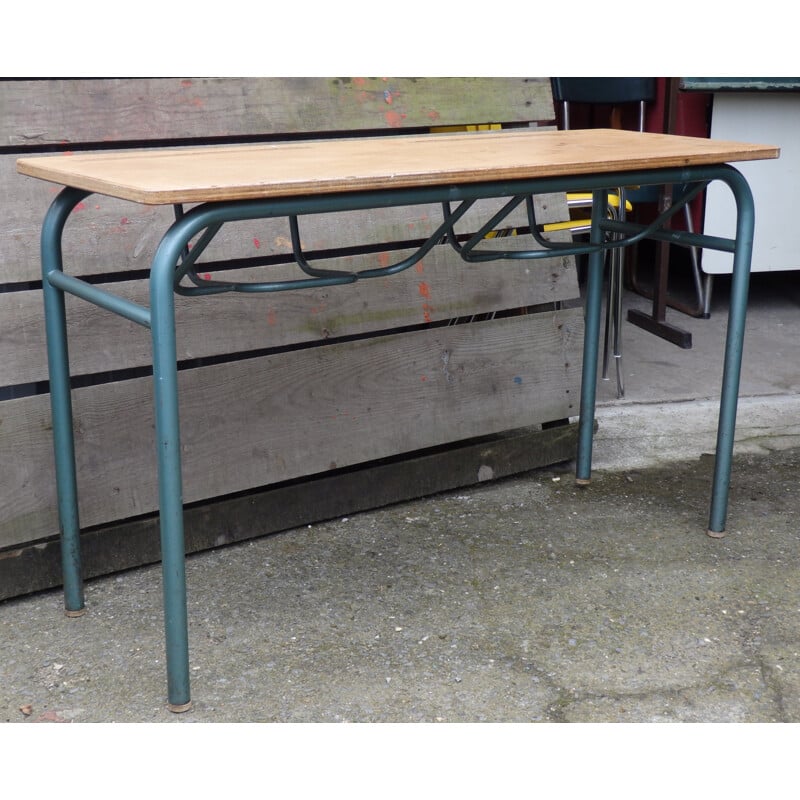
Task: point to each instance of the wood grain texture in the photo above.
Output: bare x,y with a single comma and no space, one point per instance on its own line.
441,287
196,175
268,419
107,235
124,110
119,546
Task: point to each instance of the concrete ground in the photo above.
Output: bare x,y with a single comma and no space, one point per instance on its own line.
524,600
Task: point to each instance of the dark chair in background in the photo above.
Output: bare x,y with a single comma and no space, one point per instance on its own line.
624,101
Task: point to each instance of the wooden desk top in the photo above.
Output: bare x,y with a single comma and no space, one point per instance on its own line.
212,173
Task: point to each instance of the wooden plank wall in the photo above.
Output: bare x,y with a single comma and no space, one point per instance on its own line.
277,387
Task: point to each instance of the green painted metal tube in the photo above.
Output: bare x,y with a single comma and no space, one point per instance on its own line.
99,297
60,400
170,485
638,232
734,346
591,340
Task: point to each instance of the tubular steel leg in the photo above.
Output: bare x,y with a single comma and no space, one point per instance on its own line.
594,298
170,491
60,401
734,345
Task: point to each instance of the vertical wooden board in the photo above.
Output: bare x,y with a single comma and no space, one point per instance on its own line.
118,110
269,419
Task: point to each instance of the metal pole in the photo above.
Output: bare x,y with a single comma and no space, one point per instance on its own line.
60,400
734,346
170,485
591,337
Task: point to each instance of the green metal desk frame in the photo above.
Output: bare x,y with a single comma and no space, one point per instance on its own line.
172,263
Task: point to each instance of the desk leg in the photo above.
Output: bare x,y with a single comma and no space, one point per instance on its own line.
591,339
170,485
61,402
734,346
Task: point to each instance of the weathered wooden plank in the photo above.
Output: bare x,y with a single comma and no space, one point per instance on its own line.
109,235
57,111
308,411
441,287
31,568
374,387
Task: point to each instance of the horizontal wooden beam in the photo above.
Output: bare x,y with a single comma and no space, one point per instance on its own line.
112,548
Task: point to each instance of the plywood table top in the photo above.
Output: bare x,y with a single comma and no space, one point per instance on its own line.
217,173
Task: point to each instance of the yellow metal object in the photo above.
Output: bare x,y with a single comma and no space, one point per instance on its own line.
489,126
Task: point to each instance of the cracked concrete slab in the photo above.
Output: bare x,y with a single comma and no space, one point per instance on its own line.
526,600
